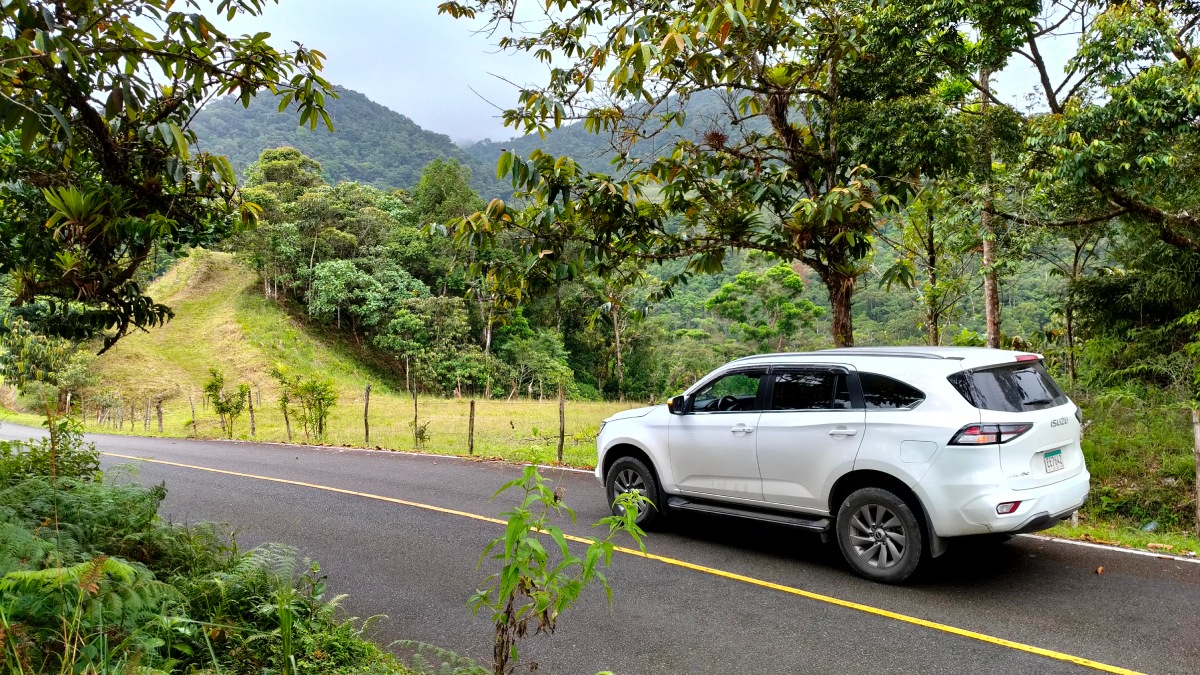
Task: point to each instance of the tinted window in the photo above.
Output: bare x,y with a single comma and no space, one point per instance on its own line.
810,390
732,392
884,393
1017,388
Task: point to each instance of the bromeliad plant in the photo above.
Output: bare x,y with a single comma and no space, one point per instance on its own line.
534,585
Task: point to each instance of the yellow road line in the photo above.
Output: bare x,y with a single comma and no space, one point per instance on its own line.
827,599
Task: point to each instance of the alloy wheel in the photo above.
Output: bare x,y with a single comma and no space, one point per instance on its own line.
878,536
628,480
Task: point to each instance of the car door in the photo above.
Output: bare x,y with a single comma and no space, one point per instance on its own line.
810,428
712,445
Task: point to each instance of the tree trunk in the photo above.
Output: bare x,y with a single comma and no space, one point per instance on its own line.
991,285
616,319
933,315
841,298
1070,318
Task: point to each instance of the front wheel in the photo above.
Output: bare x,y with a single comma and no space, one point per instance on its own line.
629,474
880,535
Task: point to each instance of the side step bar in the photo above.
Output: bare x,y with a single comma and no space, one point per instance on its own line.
811,523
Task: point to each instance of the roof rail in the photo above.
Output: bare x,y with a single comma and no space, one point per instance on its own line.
856,351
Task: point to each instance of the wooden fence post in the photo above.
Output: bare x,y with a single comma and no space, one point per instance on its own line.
1196,430
366,420
250,402
192,401
158,408
287,422
471,430
146,417
562,421
416,435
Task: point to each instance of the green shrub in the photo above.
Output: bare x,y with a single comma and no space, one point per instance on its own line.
1139,448
61,454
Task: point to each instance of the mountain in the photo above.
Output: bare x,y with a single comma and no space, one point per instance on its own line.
370,144
706,111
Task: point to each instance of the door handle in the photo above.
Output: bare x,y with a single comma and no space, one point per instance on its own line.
843,432
742,429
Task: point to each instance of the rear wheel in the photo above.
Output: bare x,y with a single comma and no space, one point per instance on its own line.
629,474
879,535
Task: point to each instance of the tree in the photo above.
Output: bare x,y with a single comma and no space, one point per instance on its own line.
32,360
930,239
98,165
228,405
816,94
764,308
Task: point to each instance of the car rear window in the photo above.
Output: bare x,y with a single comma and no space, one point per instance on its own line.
1019,387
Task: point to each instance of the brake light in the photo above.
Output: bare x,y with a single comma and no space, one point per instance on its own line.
1028,357
987,434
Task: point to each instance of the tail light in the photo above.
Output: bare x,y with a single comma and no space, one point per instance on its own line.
988,434
1007,508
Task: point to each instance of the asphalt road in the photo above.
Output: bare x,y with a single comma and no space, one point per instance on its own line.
418,567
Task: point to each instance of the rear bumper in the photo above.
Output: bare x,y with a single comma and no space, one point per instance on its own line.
1040,508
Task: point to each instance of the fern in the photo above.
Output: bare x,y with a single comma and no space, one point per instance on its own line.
430,659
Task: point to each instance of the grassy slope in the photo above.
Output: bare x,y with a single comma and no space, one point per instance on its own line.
222,320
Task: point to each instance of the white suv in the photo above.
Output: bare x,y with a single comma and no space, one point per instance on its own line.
892,450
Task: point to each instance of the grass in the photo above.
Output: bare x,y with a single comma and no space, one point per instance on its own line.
1139,449
223,321
1114,533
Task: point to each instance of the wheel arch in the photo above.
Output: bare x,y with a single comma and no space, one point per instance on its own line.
619,450
863,478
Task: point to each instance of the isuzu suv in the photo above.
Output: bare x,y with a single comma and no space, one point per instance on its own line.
892,451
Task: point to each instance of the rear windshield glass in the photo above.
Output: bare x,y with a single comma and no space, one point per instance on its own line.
1020,387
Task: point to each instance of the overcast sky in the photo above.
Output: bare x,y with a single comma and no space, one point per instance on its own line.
433,68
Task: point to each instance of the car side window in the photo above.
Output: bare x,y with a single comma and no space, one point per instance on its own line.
881,392
810,390
734,392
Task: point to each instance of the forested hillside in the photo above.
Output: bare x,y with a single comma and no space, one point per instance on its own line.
705,112
370,143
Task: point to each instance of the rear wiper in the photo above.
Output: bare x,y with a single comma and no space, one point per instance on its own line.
1039,401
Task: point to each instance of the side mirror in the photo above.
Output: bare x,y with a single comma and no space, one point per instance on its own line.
677,405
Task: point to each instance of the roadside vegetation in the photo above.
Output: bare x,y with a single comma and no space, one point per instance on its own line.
93,580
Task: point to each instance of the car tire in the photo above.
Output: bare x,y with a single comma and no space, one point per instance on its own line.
880,536
628,474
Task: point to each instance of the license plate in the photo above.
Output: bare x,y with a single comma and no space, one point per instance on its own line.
1054,461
